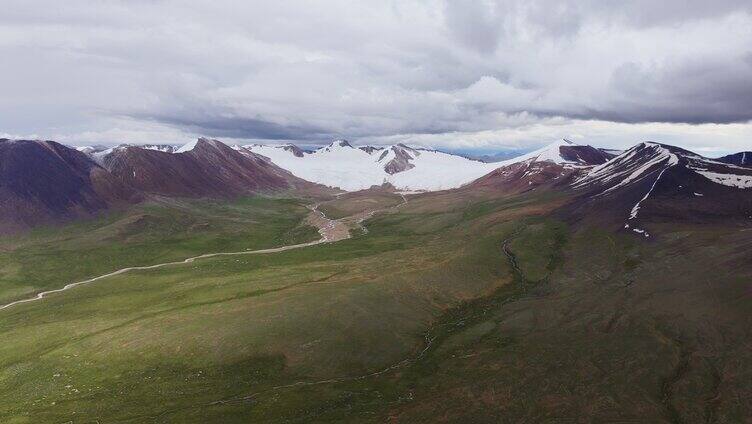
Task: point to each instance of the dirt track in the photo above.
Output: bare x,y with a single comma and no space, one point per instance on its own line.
331,230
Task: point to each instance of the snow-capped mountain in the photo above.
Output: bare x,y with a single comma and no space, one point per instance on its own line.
356,168
646,184
563,152
646,159
553,165
350,168
653,181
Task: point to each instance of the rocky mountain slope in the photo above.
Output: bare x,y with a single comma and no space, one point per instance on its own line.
202,168
657,182
554,165
43,182
46,182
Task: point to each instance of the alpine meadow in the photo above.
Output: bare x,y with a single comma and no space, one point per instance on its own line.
376,212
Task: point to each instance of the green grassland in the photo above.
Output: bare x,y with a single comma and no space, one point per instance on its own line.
151,233
452,308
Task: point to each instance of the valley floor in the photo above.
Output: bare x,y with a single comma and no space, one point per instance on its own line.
450,308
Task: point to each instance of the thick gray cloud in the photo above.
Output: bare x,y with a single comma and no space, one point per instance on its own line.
435,72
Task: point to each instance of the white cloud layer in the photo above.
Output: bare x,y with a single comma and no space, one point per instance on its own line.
455,74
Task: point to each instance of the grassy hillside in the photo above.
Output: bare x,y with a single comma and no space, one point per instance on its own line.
148,234
449,309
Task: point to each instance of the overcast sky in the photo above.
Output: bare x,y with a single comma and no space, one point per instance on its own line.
446,74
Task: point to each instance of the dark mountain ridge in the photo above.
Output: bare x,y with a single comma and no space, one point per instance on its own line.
741,159
44,181
658,183
209,169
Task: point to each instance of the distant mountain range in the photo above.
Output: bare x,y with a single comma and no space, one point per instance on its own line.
43,181
352,168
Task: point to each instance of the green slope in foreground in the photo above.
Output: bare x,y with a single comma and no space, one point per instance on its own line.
156,232
449,309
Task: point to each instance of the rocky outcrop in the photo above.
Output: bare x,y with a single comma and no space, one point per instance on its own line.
400,162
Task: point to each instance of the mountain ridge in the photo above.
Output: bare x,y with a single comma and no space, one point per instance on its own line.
409,168
647,179
42,182
45,182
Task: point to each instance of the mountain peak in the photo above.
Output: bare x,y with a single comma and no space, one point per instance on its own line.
201,141
188,146
553,152
340,143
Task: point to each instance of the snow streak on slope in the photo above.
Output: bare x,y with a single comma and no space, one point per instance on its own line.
643,167
636,208
631,166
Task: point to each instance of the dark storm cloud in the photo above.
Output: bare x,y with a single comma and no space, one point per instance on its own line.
296,70
247,128
696,92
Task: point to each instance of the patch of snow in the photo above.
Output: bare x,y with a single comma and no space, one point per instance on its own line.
158,147
615,152
98,157
187,147
550,153
730,180
641,231
699,194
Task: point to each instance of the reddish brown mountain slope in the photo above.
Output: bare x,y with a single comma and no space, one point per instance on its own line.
43,182
209,169
524,176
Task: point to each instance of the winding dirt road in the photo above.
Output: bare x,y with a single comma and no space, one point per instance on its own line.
331,230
